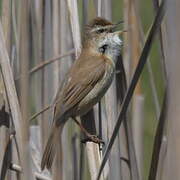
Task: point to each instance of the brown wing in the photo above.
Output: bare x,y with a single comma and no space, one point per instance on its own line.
83,76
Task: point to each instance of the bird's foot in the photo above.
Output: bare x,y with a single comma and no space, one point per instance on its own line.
93,138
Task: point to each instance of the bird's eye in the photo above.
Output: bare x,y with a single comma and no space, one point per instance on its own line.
100,31
103,48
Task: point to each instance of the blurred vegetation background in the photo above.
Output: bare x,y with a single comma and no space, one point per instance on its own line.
147,14
48,35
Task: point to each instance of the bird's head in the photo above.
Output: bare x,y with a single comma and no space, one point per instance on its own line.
101,37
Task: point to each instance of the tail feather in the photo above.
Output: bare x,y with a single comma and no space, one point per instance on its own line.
50,149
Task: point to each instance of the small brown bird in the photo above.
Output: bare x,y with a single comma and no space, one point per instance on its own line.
87,81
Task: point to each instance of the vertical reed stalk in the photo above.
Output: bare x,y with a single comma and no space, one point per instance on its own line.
24,57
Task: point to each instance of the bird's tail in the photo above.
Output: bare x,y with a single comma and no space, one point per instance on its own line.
50,149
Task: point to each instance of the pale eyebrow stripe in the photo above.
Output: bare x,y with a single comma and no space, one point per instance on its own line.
103,28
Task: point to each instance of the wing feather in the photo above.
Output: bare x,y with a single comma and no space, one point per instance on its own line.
82,79
81,84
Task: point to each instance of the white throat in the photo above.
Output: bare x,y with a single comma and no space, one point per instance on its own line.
113,46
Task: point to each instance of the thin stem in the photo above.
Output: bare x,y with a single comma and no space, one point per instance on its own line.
46,62
40,112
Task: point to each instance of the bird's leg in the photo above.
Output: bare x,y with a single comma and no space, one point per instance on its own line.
91,137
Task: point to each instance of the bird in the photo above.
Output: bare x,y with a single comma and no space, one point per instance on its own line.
86,81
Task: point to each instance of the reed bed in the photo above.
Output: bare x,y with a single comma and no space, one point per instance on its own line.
137,118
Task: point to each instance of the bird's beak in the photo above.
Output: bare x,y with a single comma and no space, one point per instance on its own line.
115,25
118,23
119,32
